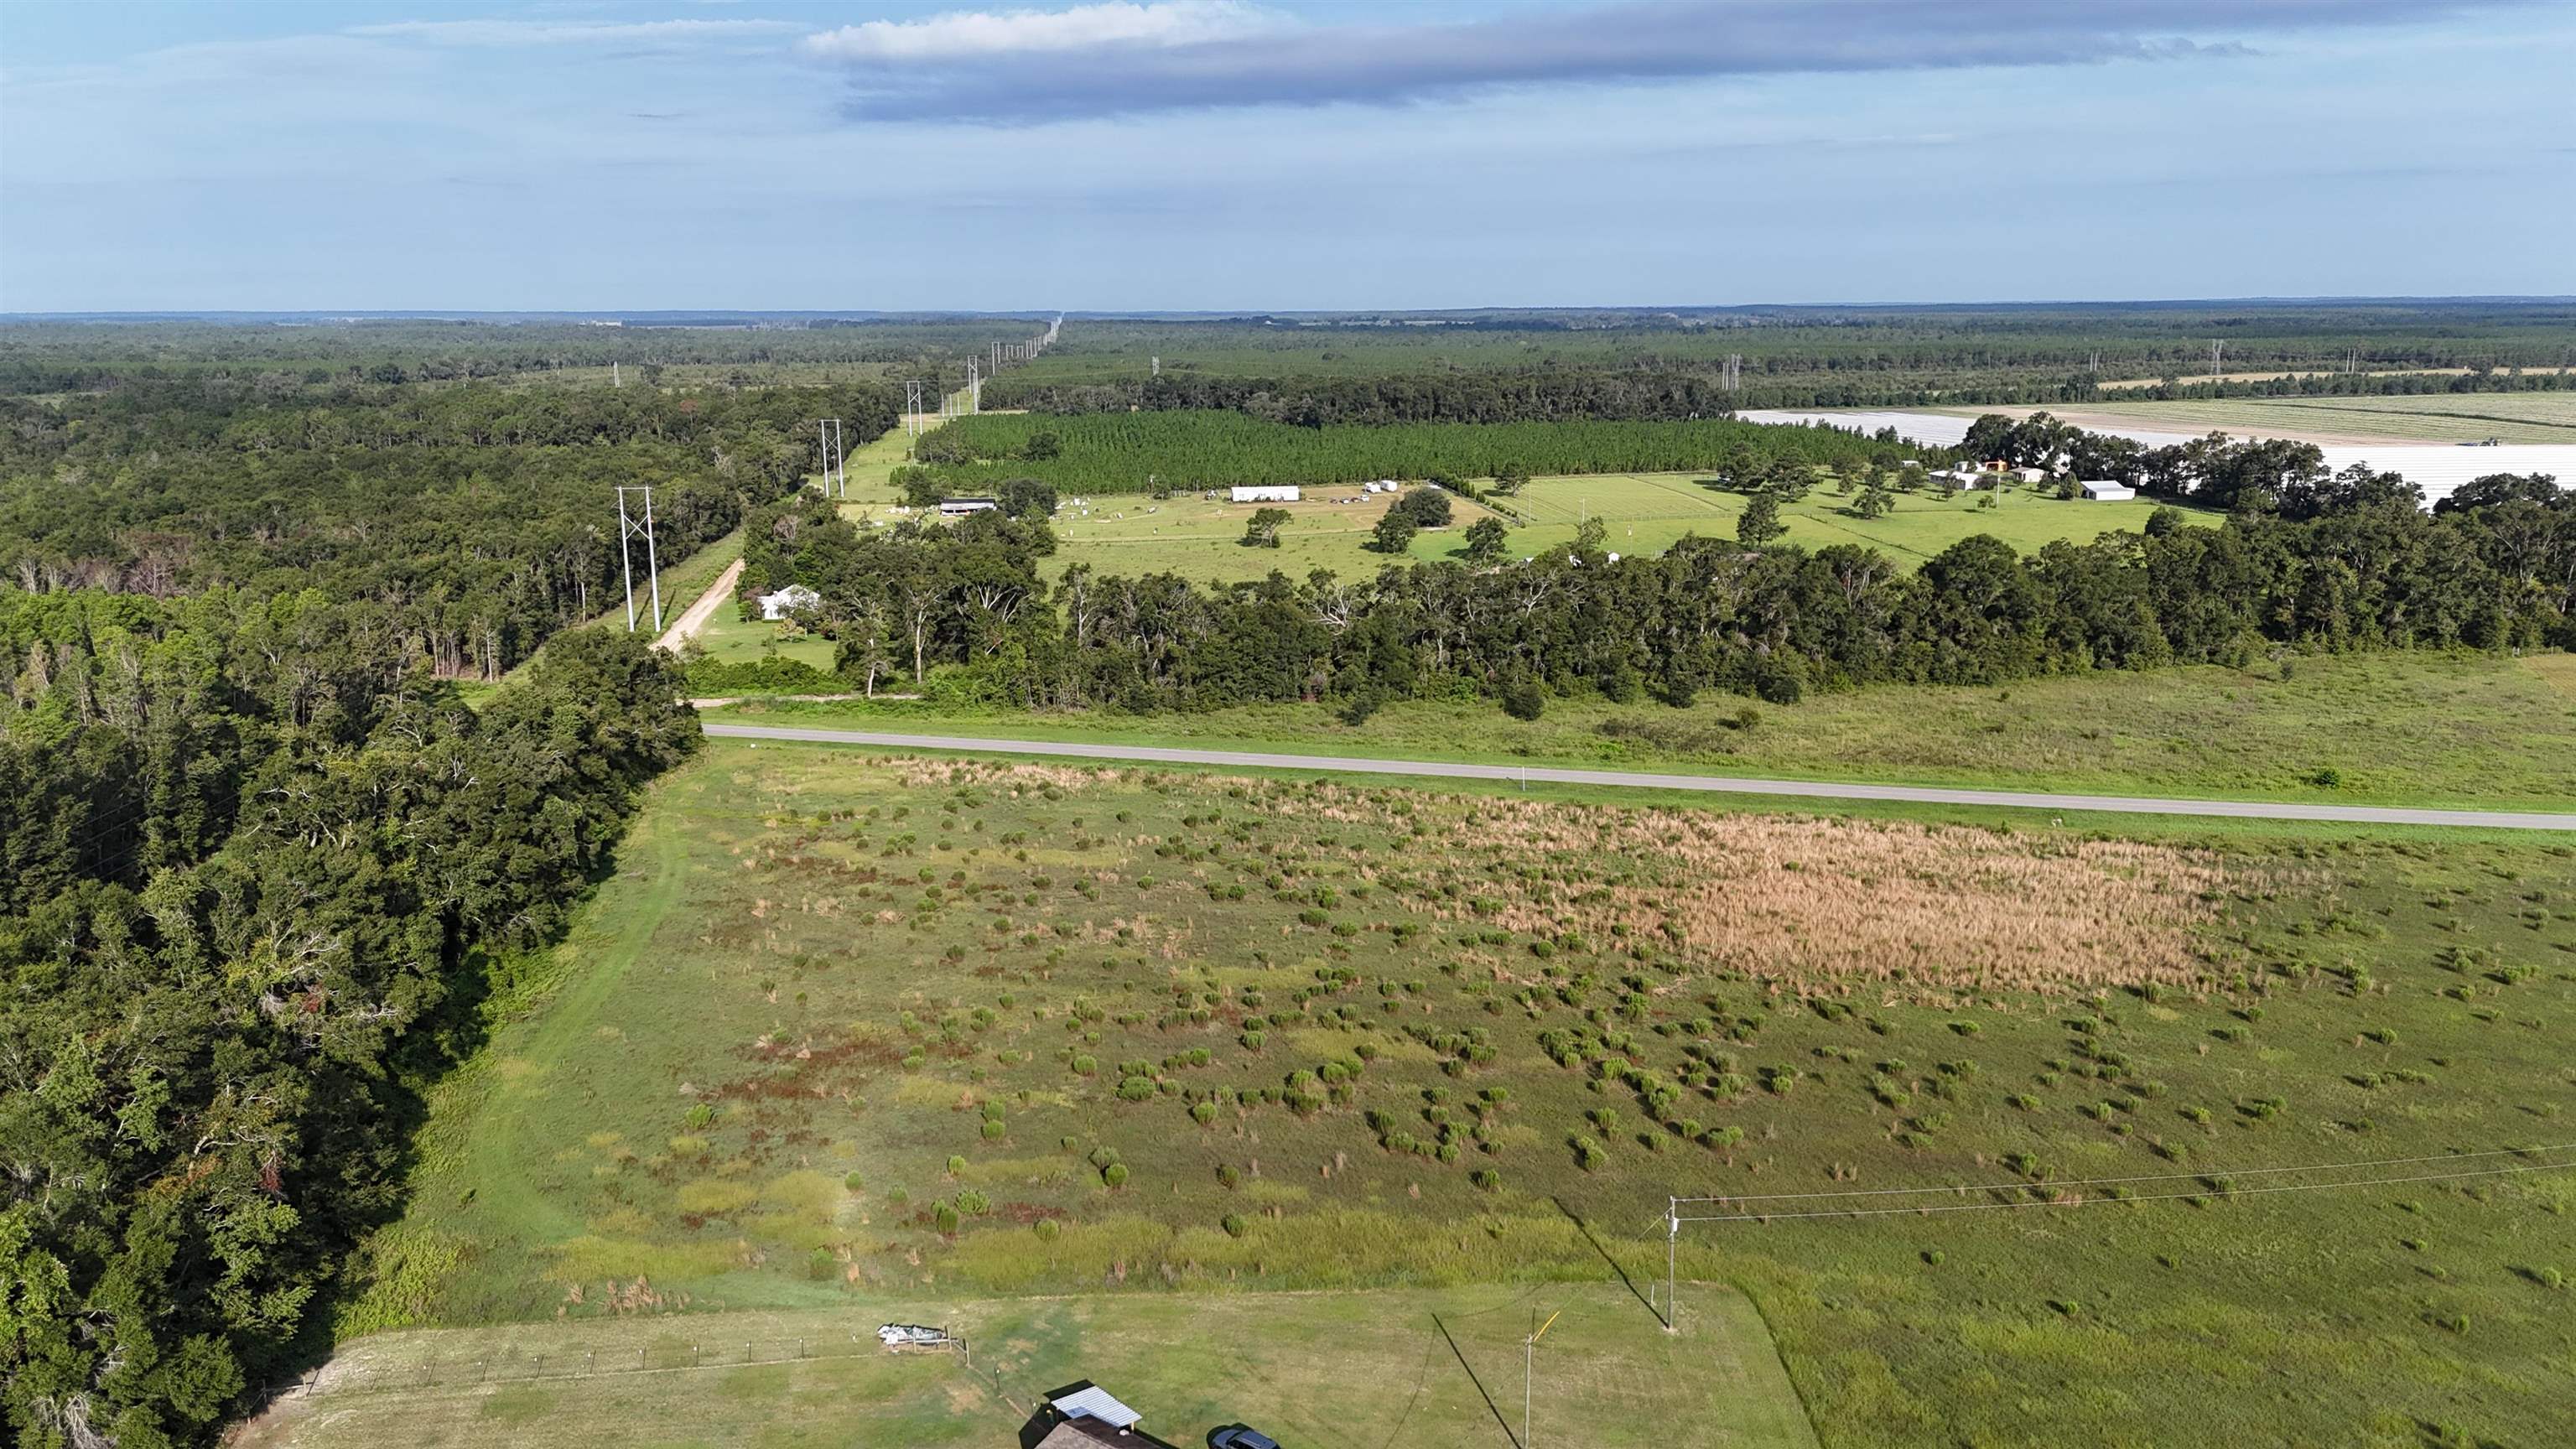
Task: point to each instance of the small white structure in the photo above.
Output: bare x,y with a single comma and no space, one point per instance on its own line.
2031,475
1263,493
960,507
787,600
1090,1401
2106,490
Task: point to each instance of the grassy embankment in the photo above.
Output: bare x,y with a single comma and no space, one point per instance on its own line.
2420,729
852,1031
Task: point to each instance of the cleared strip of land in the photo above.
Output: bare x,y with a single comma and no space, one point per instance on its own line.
1639,779
1435,1367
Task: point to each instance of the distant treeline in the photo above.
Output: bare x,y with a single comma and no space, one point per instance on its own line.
1139,452
2355,563
51,357
1625,394
258,870
480,520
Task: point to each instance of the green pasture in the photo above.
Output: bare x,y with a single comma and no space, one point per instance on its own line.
1428,1367
1647,512
2397,729
847,1031
1201,538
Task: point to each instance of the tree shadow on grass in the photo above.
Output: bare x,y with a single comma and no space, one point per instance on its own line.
1625,1281
1496,1409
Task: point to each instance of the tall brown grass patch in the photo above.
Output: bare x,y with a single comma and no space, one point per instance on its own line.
1817,901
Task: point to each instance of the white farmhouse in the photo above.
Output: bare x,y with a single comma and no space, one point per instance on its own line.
1263,493
793,597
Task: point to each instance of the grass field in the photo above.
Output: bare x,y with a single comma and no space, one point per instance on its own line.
1357,1369
1648,512
1202,538
2414,729
2530,417
848,1031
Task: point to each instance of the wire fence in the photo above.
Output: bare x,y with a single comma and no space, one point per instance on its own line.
359,1376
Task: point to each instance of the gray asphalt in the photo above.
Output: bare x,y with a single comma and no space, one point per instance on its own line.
1640,779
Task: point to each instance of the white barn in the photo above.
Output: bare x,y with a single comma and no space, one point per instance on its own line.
2105,490
787,600
1263,493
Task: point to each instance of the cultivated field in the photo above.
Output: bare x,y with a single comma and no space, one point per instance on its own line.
848,1031
1421,1367
2528,417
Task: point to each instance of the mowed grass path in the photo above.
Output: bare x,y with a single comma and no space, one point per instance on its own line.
1341,1369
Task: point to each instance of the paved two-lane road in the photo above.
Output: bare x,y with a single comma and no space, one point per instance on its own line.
1639,779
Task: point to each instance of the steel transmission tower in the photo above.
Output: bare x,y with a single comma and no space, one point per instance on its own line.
628,527
836,470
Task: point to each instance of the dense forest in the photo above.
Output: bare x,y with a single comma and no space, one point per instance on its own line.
260,865
2307,560
253,857
1630,364
724,349
1625,394
479,519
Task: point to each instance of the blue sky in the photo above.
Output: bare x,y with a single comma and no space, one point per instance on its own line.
1222,154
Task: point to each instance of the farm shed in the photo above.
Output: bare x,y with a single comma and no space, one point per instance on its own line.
1263,493
786,600
959,507
2106,490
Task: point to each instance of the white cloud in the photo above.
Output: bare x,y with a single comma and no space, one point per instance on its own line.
508,33
968,34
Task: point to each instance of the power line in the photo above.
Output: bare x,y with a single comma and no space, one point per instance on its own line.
2150,1177
1971,1207
1673,1218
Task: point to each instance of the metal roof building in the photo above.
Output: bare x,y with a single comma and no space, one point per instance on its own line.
1091,1401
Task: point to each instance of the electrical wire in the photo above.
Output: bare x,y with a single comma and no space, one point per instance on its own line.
1970,1207
2149,1177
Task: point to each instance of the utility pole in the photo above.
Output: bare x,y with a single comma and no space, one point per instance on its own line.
974,388
1672,1259
627,528
912,417
2215,349
1529,1369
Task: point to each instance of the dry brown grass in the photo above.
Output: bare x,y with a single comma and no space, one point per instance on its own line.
1815,901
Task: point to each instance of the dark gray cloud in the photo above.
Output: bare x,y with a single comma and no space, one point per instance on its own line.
1018,67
